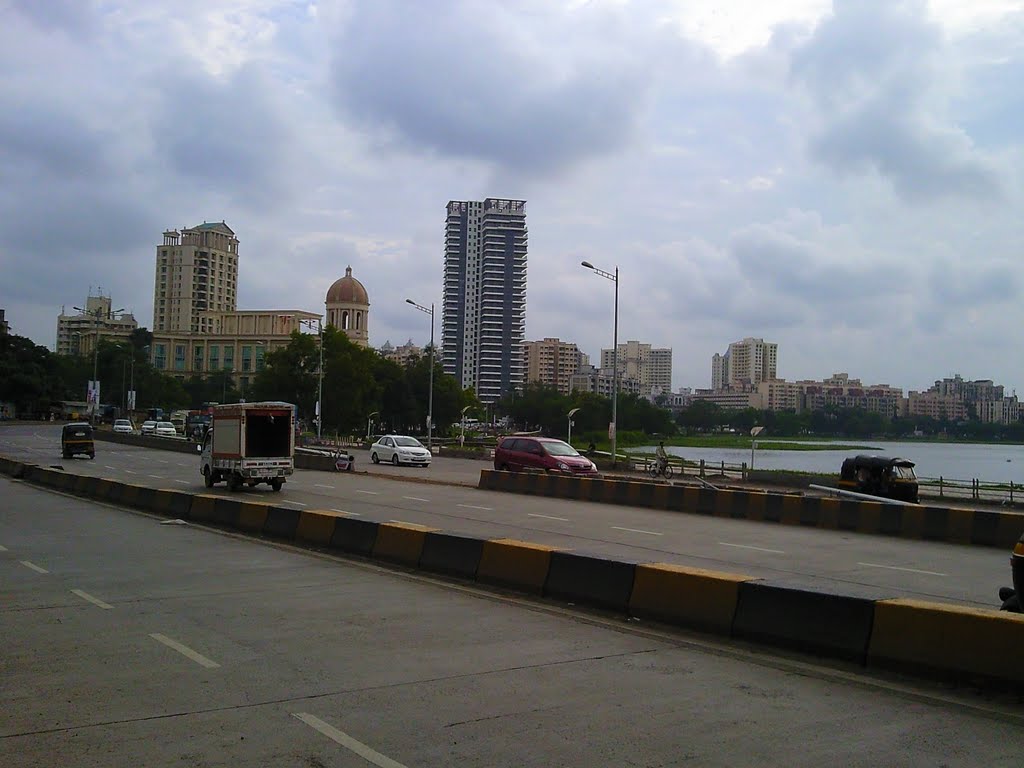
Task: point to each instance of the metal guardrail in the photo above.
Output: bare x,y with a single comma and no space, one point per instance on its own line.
971,490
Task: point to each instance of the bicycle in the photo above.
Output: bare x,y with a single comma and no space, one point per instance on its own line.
663,469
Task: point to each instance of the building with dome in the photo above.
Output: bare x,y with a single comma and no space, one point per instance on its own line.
348,308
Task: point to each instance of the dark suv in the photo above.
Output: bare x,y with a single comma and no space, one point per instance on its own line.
542,454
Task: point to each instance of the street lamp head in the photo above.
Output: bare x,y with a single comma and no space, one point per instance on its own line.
586,264
410,301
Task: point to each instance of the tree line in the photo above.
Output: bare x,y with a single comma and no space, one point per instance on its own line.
358,382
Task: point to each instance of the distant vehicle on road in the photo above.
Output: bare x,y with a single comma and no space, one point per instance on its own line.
543,454
399,449
165,429
123,426
885,476
76,438
148,427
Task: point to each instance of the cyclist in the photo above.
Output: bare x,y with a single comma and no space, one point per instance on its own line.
662,456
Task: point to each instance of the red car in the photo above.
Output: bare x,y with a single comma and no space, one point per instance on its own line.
542,454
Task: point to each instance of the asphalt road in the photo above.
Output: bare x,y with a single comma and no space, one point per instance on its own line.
131,642
873,566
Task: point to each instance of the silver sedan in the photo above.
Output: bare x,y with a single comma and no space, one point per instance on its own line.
399,449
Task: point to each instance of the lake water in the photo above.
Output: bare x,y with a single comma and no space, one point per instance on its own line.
958,461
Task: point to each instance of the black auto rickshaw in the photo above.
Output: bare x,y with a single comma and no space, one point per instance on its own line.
76,438
889,477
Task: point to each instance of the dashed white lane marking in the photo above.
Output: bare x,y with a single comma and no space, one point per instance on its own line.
183,482
321,485
368,754
897,568
105,466
3,548
184,650
470,506
163,461
33,566
369,493
548,517
157,477
415,498
130,472
296,503
747,546
94,600
637,530
343,512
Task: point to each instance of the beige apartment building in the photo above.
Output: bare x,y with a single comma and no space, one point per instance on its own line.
746,364
652,368
553,363
196,274
590,379
401,355
78,334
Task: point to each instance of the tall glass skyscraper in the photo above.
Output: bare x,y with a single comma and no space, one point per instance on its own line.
484,306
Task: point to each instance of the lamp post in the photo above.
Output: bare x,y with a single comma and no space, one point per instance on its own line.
571,414
430,396
754,432
96,354
320,375
369,420
614,277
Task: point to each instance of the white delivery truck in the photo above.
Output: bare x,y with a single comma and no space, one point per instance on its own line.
249,443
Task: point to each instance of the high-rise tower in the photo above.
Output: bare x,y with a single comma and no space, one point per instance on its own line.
483,319
196,273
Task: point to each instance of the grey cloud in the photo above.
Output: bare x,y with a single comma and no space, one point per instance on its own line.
228,136
461,81
76,17
875,69
41,139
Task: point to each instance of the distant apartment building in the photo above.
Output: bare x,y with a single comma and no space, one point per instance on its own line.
652,368
737,400
841,391
553,363
78,333
957,399
780,395
401,355
601,382
744,365
483,313
196,273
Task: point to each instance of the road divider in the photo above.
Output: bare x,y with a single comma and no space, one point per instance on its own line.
956,526
874,630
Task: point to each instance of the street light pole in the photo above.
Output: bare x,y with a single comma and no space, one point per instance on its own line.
96,355
320,376
369,421
614,277
571,414
430,396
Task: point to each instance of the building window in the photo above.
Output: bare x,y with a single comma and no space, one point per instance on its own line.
179,357
197,359
344,321
214,357
159,356
246,358
229,358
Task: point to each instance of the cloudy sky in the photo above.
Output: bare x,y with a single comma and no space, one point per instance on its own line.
841,178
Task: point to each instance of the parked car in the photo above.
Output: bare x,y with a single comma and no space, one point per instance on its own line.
123,426
399,449
76,438
165,429
543,454
148,427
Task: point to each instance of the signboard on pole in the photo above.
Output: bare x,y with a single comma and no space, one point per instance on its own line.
611,429
92,396
131,399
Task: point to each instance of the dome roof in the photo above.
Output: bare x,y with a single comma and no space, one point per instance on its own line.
347,290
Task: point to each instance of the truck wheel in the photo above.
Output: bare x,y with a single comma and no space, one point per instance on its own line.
375,458
276,485
208,477
234,482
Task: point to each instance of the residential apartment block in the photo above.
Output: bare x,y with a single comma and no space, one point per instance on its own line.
590,379
746,364
483,319
402,354
553,363
652,368
79,333
196,273
957,399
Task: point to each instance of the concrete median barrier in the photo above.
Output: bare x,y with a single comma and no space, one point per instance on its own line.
400,542
355,537
225,511
451,554
591,580
688,597
252,516
950,641
517,564
203,506
825,623
316,526
173,503
12,468
996,529
281,522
